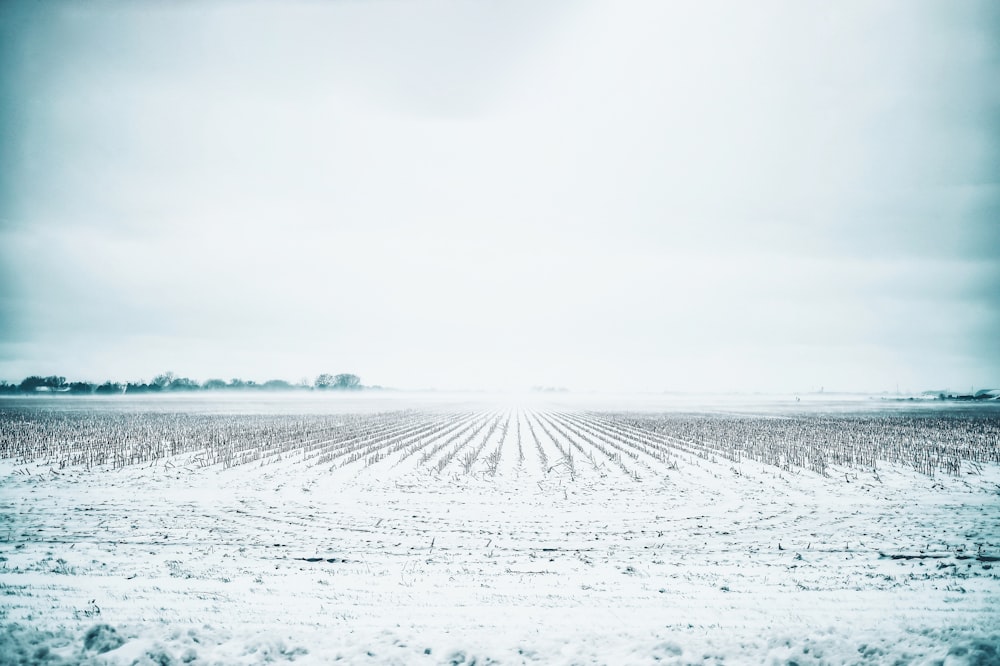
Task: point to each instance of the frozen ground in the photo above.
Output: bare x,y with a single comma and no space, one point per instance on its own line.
518,554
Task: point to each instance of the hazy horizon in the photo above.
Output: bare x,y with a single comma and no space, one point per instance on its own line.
254,386
633,196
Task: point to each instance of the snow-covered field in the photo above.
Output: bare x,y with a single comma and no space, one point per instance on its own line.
462,532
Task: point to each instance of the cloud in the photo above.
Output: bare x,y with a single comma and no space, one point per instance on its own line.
633,195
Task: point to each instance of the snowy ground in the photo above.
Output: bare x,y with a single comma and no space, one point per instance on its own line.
509,556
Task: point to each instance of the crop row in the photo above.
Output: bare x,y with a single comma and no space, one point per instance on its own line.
632,444
925,442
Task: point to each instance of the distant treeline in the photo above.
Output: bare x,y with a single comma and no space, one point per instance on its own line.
168,382
985,394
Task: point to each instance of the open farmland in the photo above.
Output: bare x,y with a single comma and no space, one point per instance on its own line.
460,531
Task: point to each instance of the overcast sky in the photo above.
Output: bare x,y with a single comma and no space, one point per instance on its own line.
770,196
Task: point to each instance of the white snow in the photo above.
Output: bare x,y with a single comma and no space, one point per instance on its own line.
392,561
